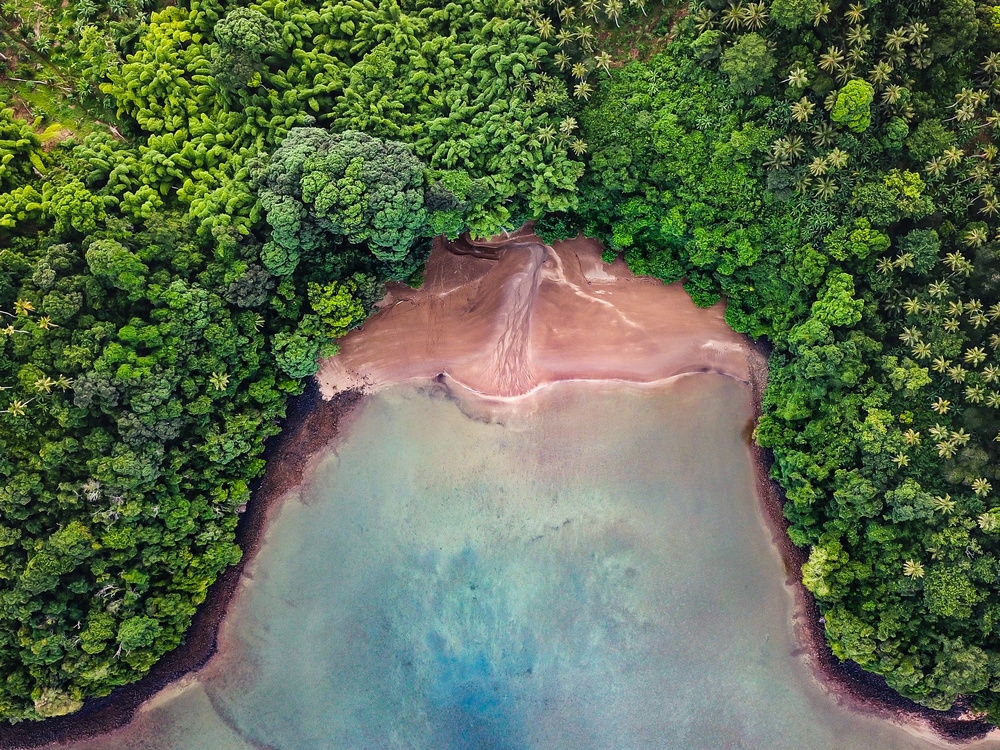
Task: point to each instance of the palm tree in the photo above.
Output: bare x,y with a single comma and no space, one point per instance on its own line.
944,505
818,166
981,487
991,64
913,569
910,336
583,91
936,167
219,380
755,16
858,36
545,27
953,156
604,61
957,373
912,437
921,350
975,356
802,110
703,19
831,59
892,94
917,33
954,261
613,8
797,78
901,460
975,394
567,126
23,307
822,14
941,406
823,135
991,373
938,289
880,73
732,17
561,59
993,399
45,384
884,266
938,432
641,5
976,237
855,14
17,408
590,7
941,364
826,188
580,71
911,305
895,40
988,522
564,37
946,449
796,146
579,147
585,35
546,134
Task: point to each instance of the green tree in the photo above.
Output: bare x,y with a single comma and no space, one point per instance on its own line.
793,13
748,62
853,105
243,37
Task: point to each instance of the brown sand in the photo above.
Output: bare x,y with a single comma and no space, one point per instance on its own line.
506,316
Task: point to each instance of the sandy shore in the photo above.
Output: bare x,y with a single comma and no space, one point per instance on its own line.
502,322
501,319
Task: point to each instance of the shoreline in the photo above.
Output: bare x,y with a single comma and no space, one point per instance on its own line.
862,691
316,418
310,423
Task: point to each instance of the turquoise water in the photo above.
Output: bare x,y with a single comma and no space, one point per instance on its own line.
588,571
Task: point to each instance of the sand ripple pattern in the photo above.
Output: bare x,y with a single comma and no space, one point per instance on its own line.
508,315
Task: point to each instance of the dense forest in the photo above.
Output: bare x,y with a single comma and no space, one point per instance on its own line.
198,198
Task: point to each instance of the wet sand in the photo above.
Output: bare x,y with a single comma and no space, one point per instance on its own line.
506,316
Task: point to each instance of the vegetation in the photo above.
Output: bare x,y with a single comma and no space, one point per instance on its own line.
211,194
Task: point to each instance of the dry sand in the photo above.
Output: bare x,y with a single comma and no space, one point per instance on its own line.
509,315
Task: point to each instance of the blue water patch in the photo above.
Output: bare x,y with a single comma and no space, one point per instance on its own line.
472,659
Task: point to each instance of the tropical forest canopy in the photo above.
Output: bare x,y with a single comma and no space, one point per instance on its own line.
197,199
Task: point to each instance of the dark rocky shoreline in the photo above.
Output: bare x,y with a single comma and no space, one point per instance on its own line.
863,691
310,423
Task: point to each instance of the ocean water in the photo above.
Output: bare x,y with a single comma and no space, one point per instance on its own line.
587,571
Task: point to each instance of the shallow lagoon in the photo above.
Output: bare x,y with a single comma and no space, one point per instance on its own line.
588,570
